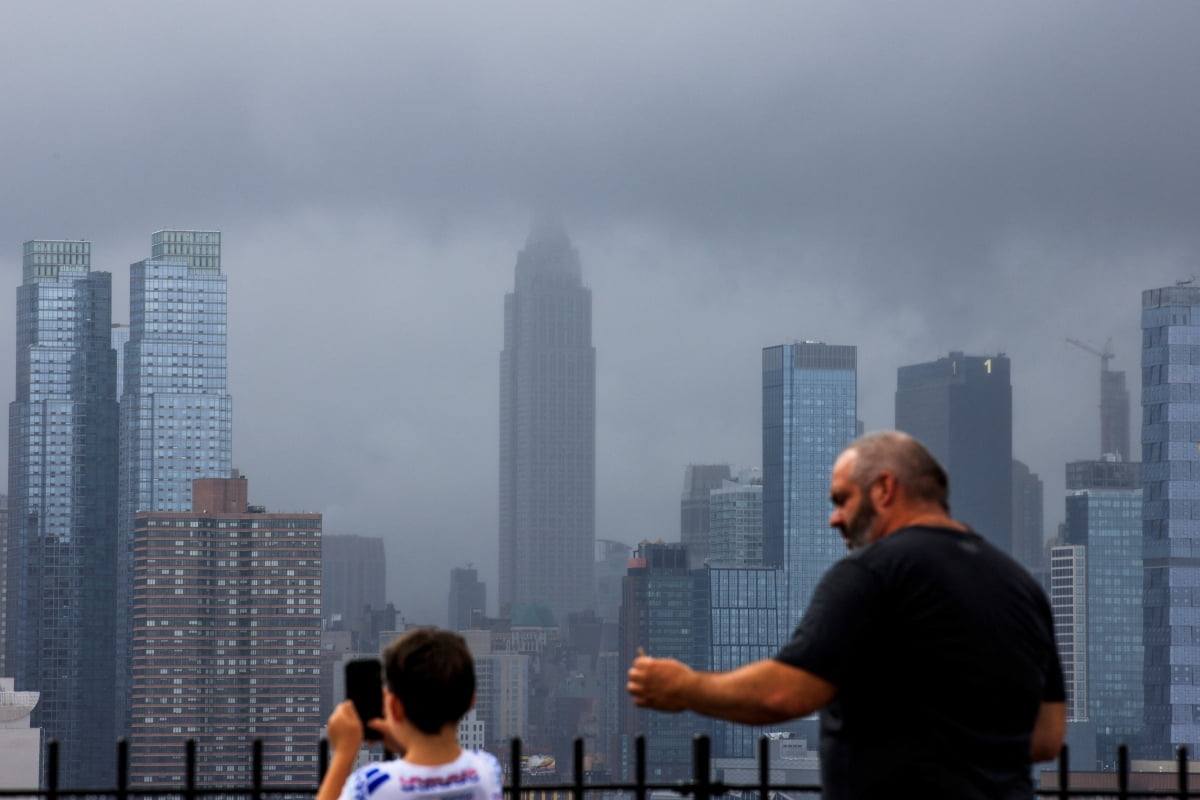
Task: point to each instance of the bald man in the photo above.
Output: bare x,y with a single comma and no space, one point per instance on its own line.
929,653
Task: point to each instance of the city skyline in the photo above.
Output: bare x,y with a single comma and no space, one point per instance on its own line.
906,180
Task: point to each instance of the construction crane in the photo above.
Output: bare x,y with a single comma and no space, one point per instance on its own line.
1105,356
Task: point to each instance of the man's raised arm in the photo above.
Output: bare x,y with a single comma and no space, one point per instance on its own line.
757,694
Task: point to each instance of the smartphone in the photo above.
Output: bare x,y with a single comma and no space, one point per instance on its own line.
364,686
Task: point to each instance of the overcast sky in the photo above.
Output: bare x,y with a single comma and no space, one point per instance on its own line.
911,178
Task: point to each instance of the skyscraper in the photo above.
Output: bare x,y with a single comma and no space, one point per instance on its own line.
176,412
1114,414
698,481
227,640
960,407
810,407
1069,602
735,527
1171,516
547,432
353,576
1028,542
745,625
664,609
62,462
1104,518
468,596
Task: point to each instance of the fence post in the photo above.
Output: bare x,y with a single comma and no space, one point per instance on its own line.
256,750
514,768
1181,758
700,767
764,768
189,755
122,768
639,767
1064,772
1122,771
578,766
52,769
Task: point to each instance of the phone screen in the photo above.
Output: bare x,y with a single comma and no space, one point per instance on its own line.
364,686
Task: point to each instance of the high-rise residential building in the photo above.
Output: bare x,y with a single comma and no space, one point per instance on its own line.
226,641
735,526
62,465
176,411
1069,602
809,415
468,598
698,481
664,610
960,407
1171,516
547,432
1028,540
1106,520
353,576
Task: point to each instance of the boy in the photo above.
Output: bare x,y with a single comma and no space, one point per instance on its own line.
429,686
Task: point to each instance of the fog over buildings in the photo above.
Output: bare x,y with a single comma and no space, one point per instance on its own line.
909,180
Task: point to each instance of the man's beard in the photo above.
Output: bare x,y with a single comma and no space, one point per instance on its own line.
857,530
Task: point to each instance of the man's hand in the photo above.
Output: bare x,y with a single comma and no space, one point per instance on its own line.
660,683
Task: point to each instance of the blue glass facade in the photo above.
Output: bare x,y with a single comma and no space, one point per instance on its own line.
176,411
1108,524
62,463
1171,516
810,408
664,609
745,626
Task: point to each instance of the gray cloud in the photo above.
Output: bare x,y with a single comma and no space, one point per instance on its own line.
911,179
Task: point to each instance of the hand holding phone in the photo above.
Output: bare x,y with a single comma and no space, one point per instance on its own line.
364,686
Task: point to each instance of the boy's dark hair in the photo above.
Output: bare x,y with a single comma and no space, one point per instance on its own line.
432,673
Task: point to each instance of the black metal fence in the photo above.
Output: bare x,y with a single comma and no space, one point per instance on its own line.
1120,784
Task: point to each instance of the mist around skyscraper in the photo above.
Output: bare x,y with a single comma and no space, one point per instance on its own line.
547,433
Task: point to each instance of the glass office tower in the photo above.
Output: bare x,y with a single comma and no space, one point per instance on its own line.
745,626
665,611
1106,521
176,412
960,407
810,407
1171,516
547,432
62,463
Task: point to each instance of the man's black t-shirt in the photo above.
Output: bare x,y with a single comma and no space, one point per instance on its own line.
942,650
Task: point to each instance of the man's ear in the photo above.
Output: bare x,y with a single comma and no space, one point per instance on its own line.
472,703
889,488
395,709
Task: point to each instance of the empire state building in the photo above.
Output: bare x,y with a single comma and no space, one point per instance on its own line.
547,434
